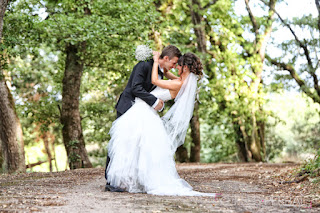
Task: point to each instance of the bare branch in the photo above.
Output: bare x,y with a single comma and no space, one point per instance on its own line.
37,163
296,77
304,47
316,82
267,34
253,20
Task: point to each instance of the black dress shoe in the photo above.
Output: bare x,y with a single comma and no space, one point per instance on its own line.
110,188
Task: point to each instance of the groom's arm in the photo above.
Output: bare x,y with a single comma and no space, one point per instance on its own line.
139,78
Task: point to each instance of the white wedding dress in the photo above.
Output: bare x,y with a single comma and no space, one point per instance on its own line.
141,153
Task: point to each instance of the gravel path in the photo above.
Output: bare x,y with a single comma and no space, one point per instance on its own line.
251,187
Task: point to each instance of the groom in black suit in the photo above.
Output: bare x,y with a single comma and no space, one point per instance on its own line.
139,85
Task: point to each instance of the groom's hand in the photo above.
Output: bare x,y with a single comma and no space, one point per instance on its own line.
159,105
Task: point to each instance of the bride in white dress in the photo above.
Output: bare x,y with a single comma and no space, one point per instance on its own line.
142,144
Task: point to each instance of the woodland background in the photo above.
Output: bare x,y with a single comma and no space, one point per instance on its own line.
64,64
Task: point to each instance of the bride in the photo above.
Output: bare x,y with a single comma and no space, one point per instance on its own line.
142,144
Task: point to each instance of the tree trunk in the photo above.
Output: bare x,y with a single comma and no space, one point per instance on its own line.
182,154
241,139
255,145
10,133
3,7
46,142
195,135
260,45
317,2
1,159
261,133
12,145
70,114
202,48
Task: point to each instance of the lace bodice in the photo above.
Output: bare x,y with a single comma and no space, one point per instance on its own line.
163,94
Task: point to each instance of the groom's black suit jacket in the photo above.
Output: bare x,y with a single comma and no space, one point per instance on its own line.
139,85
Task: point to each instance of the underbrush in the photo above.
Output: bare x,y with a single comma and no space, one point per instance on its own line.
312,168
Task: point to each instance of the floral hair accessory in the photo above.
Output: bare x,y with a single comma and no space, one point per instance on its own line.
143,53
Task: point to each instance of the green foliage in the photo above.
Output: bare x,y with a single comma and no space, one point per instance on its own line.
73,143
73,158
312,166
218,144
307,131
300,51
33,53
275,141
293,131
36,43
218,98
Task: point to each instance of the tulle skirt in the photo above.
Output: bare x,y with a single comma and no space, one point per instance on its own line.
141,155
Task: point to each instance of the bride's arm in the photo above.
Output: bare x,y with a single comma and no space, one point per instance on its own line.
170,75
171,85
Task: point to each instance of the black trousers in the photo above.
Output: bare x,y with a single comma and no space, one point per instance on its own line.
108,158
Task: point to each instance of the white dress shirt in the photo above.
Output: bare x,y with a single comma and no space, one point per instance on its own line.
157,101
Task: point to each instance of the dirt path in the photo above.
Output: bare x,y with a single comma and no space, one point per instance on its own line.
250,187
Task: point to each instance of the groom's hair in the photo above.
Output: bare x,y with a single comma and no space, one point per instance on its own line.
170,51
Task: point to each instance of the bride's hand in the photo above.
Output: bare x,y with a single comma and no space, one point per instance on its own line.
156,56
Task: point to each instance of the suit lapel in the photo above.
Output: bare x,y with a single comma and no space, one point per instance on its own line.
159,73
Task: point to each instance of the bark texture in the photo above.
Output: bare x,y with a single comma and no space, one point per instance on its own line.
199,30
256,144
12,145
70,114
195,135
241,140
10,133
3,7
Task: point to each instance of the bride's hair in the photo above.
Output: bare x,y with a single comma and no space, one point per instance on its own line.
193,62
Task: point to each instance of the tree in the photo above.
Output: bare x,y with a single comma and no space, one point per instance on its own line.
70,115
209,29
90,39
197,18
10,129
261,29
307,46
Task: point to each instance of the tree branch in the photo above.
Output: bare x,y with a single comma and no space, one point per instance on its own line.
253,20
263,40
316,82
318,7
296,77
303,46
37,164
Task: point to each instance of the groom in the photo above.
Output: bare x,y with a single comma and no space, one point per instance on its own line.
139,85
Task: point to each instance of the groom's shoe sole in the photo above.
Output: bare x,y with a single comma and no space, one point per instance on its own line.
109,188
